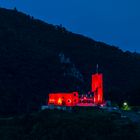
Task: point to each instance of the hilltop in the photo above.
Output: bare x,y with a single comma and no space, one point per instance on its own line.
37,58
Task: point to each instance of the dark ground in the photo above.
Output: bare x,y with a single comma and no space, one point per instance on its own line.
83,124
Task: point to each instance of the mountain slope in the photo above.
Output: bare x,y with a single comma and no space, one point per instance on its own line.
37,58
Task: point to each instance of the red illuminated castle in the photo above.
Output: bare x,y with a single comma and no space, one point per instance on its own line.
95,97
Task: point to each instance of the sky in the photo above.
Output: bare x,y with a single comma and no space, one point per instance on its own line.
115,22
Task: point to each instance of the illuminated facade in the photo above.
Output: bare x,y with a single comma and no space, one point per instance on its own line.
95,96
97,88
64,99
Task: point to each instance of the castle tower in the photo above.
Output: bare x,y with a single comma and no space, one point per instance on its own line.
97,87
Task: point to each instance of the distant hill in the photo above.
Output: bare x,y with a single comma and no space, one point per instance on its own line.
37,58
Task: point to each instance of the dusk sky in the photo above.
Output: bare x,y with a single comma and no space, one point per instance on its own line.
115,22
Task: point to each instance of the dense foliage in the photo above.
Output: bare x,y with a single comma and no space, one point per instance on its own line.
60,125
37,58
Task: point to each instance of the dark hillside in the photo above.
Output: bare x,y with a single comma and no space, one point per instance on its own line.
37,58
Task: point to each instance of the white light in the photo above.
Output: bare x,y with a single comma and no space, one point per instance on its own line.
125,103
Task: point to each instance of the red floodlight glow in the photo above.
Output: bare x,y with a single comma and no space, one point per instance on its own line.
73,99
64,99
97,88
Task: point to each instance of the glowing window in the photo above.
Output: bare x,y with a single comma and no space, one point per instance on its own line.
59,101
69,101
